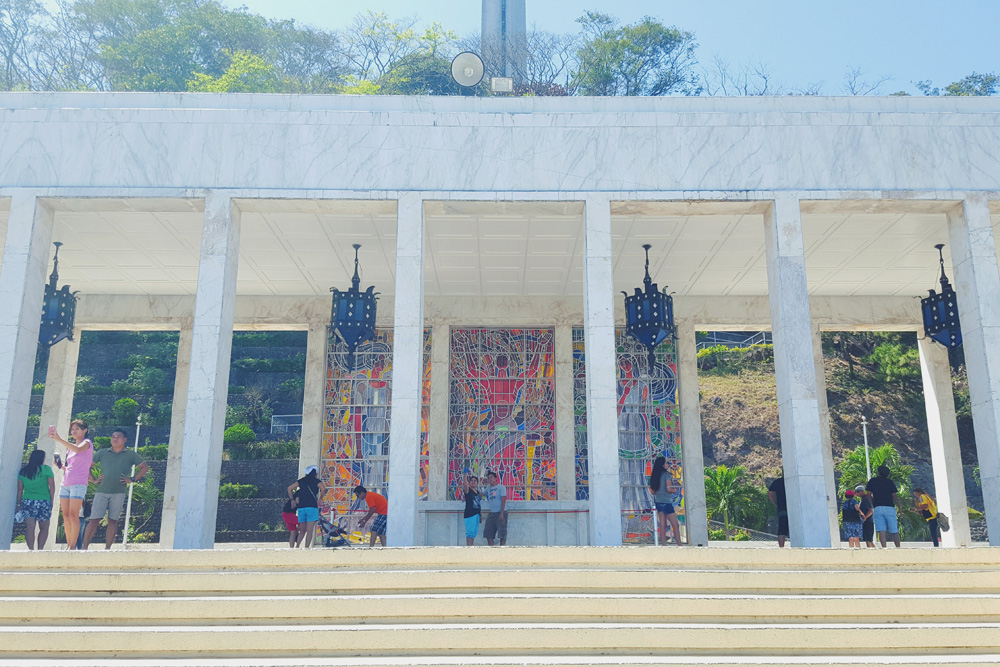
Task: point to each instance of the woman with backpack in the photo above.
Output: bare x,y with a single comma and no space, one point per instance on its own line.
309,489
923,503
853,519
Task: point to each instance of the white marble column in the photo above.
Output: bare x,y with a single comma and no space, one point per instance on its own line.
437,445
602,375
795,372
22,285
977,282
208,384
314,398
565,430
832,504
175,446
692,457
57,409
942,430
407,369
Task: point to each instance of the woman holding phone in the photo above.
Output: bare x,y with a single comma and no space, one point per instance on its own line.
79,457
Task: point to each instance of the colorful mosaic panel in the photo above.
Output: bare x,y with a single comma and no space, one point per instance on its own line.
502,412
648,426
358,412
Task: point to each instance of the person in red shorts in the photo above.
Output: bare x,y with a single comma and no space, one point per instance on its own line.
377,505
291,520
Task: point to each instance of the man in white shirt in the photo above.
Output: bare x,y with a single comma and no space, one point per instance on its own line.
496,503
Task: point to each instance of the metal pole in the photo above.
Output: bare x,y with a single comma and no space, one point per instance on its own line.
864,429
128,505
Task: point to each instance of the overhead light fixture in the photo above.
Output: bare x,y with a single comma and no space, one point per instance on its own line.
649,314
352,314
58,309
940,311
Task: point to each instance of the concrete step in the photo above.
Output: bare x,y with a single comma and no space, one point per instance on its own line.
986,660
525,661
495,608
600,580
539,558
375,641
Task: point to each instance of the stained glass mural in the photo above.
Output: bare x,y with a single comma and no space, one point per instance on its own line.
648,426
502,412
357,416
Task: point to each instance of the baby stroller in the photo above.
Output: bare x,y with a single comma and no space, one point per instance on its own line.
333,536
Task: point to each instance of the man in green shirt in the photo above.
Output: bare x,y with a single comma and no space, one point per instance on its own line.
112,486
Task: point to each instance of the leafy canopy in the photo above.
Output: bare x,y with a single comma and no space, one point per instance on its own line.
644,58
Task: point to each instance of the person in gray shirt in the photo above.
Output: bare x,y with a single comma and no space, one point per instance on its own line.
661,485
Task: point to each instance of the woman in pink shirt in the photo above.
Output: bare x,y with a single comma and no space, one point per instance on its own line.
79,457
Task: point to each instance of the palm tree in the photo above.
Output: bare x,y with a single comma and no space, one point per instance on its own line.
726,491
853,472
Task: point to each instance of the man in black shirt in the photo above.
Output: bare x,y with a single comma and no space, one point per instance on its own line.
883,492
776,494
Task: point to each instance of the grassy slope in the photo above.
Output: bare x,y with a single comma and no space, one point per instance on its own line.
739,416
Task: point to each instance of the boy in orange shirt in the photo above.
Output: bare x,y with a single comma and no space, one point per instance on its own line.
377,505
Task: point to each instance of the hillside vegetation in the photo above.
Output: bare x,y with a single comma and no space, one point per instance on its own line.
867,373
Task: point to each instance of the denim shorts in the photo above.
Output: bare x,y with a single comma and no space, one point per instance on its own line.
308,514
885,520
73,491
664,508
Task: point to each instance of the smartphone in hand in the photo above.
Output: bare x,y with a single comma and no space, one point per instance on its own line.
52,431
57,460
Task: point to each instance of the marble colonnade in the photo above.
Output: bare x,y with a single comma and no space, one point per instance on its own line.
794,317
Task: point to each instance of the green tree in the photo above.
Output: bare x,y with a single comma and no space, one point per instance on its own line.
895,362
644,58
728,491
973,85
126,411
247,73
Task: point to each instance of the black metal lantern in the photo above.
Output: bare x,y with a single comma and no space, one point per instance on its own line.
352,316
649,315
58,309
940,311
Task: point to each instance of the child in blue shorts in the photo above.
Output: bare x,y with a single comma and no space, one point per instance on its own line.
472,508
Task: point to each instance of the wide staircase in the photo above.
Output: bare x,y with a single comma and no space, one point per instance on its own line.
504,606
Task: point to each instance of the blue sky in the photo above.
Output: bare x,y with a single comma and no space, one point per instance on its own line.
801,42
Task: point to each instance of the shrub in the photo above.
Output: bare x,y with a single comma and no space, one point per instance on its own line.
268,449
126,410
975,515
292,389
34,421
741,536
85,385
38,388
237,491
238,434
153,452
101,441
716,534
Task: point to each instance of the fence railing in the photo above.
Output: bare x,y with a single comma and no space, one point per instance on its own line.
285,424
737,532
758,338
